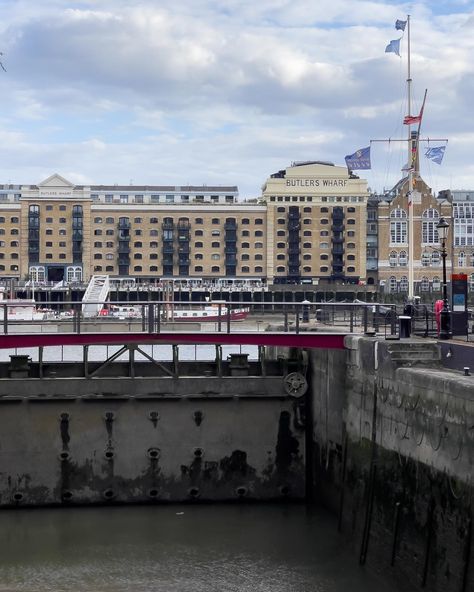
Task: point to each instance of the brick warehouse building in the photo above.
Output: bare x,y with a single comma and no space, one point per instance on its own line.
313,223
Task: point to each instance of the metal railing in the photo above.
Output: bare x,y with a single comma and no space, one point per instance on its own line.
220,316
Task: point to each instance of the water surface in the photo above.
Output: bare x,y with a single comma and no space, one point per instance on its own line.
172,548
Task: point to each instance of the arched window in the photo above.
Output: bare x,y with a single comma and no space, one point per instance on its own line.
281,233
404,284
245,245
215,245
259,245
307,257
425,284
198,268
245,269
392,284
323,245
462,259
426,258
245,221
74,274
351,269
323,269
215,269
198,245
137,268
258,269
97,220
307,245
398,226
307,268
430,219
280,269
393,259
436,283
435,258
351,257
403,258
37,273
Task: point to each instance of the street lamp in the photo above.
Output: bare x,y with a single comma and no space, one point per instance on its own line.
445,316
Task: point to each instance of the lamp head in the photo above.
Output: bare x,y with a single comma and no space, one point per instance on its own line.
442,228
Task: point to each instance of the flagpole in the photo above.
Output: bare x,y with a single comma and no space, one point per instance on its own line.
411,233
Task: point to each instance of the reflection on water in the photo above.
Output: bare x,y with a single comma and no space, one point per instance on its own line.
218,548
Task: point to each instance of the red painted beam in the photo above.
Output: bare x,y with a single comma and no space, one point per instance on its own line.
310,340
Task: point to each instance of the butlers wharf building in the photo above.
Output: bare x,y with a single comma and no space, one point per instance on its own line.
313,224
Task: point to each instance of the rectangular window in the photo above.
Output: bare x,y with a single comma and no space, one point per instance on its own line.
124,199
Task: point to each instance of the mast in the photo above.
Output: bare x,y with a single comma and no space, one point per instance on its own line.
411,233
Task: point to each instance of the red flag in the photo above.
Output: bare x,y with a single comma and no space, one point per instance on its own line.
411,119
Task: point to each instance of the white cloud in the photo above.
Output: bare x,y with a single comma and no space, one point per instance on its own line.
206,91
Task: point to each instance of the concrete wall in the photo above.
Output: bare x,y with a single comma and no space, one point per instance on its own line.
393,456
108,440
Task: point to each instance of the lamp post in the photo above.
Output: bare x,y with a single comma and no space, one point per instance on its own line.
445,316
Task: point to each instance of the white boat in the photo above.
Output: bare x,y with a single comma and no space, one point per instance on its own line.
19,309
210,313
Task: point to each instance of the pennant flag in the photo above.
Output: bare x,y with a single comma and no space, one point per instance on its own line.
359,160
400,25
435,154
393,47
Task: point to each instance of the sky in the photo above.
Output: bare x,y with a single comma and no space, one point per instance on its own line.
227,92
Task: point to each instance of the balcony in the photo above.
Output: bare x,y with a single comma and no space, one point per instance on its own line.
124,261
124,224
183,261
123,237
167,226
168,260
230,260
230,270
33,248
230,237
338,240
337,250
184,249
230,249
184,227
294,249
184,237
167,248
292,227
77,235
337,227
230,226
124,249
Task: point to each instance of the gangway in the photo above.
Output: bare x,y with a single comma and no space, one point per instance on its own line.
95,295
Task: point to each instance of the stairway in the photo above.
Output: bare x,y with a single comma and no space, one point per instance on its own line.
95,295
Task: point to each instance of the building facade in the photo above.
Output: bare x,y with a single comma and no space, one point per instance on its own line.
314,223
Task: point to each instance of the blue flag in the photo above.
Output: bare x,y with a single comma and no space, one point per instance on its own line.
400,25
393,47
435,154
359,160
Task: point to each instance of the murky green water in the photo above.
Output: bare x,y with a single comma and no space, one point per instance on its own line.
218,548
